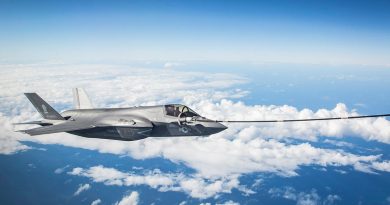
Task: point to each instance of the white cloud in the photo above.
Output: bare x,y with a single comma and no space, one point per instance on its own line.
287,193
96,202
230,202
217,156
82,187
195,186
218,171
202,188
31,165
370,129
172,64
340,171
131,199
331,199
311,198
183,203
8,139
111,176
303,198
339,143
60,170
382,166
10,146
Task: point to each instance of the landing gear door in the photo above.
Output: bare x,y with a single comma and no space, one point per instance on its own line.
134,133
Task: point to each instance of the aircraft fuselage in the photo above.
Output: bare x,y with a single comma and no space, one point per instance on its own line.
136,123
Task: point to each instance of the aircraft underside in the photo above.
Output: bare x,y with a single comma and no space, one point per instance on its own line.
158,130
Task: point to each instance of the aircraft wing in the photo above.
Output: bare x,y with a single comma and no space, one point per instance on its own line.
61,127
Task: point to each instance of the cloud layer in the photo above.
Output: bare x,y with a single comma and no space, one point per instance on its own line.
195,186
304,198
8,139
218,160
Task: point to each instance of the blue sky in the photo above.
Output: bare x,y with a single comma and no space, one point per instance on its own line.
321,32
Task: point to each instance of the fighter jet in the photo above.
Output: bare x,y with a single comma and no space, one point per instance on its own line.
134,123
128,124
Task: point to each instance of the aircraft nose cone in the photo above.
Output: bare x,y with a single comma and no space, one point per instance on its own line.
221,126
217,127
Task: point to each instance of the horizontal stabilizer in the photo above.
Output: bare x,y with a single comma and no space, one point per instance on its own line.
33,123
62,127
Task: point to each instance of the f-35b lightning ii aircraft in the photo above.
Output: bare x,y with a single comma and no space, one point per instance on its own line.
134,123
127,124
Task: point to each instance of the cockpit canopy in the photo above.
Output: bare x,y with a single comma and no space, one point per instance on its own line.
176,110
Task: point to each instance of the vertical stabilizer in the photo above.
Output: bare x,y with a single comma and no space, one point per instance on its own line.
46,111
80,99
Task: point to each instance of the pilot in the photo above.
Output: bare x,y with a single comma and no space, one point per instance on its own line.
177,112
170,110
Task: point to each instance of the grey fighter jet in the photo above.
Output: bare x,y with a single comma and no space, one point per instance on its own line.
126,124
135,123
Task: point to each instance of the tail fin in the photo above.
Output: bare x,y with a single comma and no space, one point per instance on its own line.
80,99
46,111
